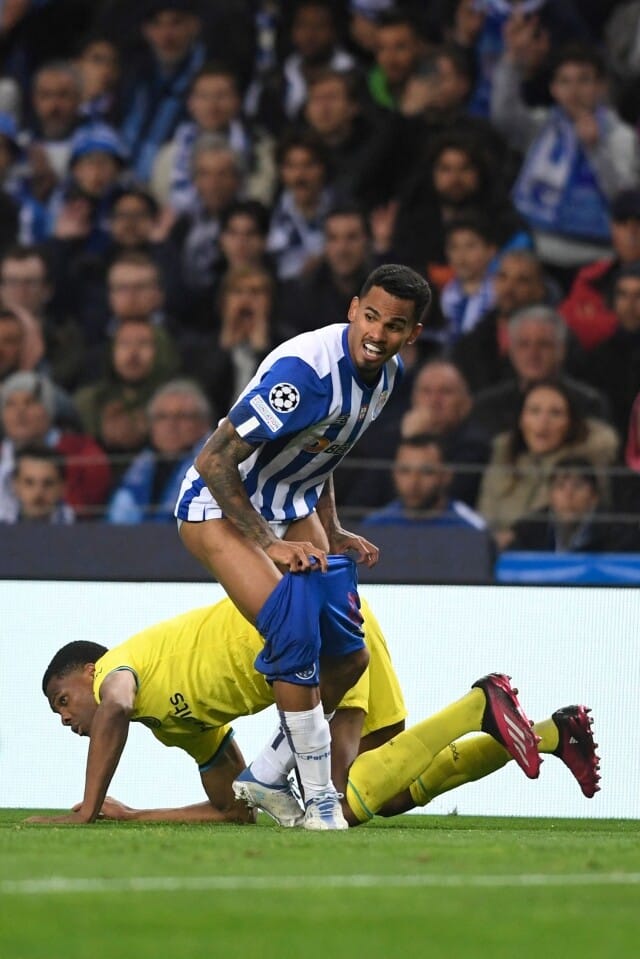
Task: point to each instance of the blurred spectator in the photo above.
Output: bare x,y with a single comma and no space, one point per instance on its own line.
9,155
482,354
537,338
365,148
98,66
466,297
614,365
296,232
113,409
455,180
277,97
38,487
578,154
157,85
575,520
441,405
422,484
56,108
52,343
214,107
548,428
588,307
244,227
218,178
180,418
11,343
400,52
28,403
323,293
80,207
224,361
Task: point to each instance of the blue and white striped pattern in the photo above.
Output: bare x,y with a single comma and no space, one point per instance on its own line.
304,409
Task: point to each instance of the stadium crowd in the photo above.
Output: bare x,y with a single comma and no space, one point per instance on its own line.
184,185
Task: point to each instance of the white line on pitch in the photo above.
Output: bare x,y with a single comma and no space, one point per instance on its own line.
61,884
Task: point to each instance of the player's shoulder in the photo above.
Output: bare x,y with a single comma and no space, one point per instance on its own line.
319,349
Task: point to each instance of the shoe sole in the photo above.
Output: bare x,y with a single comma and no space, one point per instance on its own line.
575,722
246,793
505,720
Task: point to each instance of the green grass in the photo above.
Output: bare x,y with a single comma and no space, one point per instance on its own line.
340,900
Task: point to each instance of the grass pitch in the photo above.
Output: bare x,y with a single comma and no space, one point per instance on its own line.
439,887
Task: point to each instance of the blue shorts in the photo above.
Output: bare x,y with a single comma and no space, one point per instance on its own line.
308,614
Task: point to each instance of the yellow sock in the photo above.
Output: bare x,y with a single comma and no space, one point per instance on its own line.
460,762
378,775
471,759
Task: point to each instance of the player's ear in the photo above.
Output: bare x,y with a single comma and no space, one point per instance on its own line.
89,669
353,308
415,333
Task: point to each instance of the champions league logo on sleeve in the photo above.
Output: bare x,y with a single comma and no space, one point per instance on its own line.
284,398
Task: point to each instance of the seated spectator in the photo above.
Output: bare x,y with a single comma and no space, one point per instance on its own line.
80,208
53,343
400,51
38,487
422,485
470,251
218,173
98,66
364,147
578,155
214,108
574,521
614,365
482,354
588,309
113,409
456,179
323,293
224,360
156,84
278,94
537,350
549,427
28,402
181,417
296,230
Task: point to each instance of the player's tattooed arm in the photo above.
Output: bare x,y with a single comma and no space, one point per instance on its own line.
218,464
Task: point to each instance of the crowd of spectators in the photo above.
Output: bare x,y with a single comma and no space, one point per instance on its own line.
184,184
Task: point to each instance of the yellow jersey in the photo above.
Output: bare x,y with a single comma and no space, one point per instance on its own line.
195,675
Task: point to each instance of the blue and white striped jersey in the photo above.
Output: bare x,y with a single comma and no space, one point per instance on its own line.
303,410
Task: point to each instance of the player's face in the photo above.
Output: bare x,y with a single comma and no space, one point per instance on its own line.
381,324
71,697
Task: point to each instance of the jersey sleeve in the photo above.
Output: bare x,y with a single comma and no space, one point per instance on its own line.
289,398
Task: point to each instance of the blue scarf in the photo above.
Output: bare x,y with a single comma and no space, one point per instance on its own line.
557,190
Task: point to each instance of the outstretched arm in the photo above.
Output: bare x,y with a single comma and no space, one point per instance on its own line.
109,730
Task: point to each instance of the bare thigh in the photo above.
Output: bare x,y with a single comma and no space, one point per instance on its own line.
308,530
243,569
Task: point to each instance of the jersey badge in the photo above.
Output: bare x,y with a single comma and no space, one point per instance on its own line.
284,398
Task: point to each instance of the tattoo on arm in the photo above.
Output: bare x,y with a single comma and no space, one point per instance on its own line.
218,464
326,508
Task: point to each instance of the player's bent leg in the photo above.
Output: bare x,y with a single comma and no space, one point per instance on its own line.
244,570
346,729
505,720
339,674
377,776
278,802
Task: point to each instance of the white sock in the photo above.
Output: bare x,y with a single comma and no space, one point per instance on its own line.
275,762
308,732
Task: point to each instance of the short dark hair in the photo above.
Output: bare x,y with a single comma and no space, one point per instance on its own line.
402,282
474,223
71,657
215,68
421,440
140,193
302,140
578,52
25,251
34,451
258,212
576,466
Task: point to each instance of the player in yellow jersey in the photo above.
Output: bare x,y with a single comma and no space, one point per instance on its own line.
187,678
